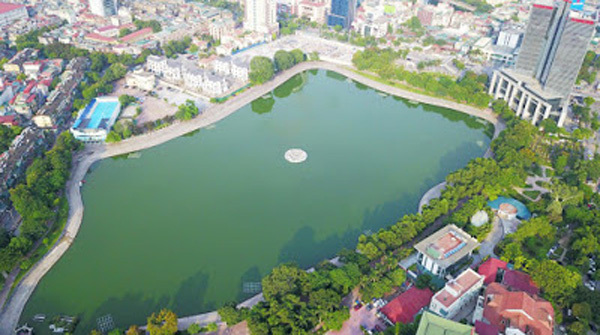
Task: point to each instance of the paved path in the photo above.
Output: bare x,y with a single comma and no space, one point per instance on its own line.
494,237
83,160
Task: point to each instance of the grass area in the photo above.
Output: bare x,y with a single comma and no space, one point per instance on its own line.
404,86
532,194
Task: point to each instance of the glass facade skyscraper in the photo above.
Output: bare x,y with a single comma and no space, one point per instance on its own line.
342,13
554,45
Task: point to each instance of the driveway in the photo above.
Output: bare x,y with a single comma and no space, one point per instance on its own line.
357,318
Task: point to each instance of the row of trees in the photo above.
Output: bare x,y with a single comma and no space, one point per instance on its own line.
262,69
470,89
39,199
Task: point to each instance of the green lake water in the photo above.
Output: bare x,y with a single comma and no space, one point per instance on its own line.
195,222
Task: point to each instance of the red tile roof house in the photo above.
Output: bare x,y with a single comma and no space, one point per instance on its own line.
138,35
406,306
504,310
519,281
489,269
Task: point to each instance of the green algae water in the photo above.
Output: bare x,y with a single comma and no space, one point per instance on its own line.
198,221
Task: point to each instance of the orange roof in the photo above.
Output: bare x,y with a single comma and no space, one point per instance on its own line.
457,288
138,34
518,310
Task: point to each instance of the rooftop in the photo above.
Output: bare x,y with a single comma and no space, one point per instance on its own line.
457,287
447,245
432,324
520,281
518,309
489,269
7,7
405,306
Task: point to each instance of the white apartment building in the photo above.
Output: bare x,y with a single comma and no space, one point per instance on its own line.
141,79
313,10
235,68
10,12
458,293
192,77
261,16
103,7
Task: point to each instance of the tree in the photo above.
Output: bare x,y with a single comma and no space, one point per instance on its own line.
335,320
126,100
298,55
261,70
398,276
187,111
423,281
133,330
95,332
231,315
578,328
549,126
163,323
557,282
194,328
582,311
212,327
124,32
283,60
283,280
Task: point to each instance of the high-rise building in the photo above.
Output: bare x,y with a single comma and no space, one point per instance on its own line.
342,13
551,55
261,16
103,7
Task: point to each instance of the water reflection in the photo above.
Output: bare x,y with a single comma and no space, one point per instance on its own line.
263,104
293,85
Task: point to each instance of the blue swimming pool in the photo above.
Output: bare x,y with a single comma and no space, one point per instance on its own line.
523,212
97,114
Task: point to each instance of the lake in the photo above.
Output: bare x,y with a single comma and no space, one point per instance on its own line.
198,221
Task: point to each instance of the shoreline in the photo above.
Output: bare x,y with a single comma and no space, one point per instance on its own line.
82,161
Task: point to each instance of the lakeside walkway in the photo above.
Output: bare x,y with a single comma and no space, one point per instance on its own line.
83,160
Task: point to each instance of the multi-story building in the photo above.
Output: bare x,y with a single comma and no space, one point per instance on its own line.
342,13
235,68
459,292
439,15
103,7
191,76
549,60
58,106
261,16
444,248
15,160
141,79
314,10
513,312
10,12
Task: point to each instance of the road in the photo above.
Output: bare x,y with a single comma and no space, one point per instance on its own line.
12,310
